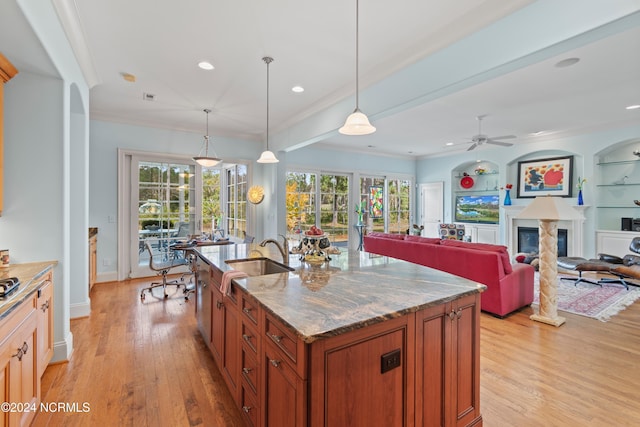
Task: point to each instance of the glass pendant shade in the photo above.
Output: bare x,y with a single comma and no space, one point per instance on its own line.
206,161
357,124
267,157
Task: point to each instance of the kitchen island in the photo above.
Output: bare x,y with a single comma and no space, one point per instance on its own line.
360,340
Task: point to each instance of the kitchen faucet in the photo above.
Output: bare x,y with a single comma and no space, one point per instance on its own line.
284,248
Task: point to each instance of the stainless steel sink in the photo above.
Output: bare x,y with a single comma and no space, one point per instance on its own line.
258,266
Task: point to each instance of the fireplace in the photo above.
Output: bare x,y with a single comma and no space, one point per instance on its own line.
575,229
528,240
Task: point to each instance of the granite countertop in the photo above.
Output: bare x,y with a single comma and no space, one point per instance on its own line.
30,275
353,290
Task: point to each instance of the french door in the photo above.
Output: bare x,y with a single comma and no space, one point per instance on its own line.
163,208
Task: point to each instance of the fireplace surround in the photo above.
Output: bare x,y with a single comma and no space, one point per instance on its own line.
575,229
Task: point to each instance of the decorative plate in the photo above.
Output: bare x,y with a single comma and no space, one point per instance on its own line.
466,182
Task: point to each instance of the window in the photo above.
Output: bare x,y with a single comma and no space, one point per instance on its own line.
236,200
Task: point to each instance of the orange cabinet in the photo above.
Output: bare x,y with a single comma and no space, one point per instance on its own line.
7,71
44,306
19,371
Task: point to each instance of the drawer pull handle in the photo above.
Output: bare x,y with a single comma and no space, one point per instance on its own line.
21,351
246,310
246,337
275,362
246,370
246,409
45,306
219,304
276,338
459,313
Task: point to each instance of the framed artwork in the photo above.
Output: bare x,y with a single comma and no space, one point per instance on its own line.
376,201
544,177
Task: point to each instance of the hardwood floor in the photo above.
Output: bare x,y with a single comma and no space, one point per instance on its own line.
138,364
145,364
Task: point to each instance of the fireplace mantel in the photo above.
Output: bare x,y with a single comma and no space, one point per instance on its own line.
575,229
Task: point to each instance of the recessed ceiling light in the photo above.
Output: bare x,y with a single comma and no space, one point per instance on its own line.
567,62
540,132
205,65
449,143
297,89
633,107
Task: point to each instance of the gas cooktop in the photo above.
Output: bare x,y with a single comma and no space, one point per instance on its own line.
9,285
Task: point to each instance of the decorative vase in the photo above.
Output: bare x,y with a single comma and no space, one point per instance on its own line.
360,220
507,198
580,200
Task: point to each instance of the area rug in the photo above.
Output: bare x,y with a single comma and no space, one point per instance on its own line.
585,299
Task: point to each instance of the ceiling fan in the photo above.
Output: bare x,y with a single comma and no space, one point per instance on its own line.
480,139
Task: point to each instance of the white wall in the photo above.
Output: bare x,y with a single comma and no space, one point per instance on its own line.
583,148
105,140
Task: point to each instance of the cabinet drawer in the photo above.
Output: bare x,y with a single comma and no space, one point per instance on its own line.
250,410
282,337
249,337
216,280
249,308
250,369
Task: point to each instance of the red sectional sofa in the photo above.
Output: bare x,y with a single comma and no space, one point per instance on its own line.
509,287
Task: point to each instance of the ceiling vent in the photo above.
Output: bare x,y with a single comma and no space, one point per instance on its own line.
148,97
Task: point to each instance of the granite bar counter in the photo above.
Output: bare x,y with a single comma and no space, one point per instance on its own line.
353,290
30,275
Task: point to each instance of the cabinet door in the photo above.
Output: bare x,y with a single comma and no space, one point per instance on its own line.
432,330
45,325
19,377
465,360
448,364
225,339
284,392
93,257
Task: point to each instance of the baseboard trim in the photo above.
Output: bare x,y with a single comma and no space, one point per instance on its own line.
80,310
62,350
111,276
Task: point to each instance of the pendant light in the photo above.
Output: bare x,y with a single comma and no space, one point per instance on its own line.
267,156
206,161
357,123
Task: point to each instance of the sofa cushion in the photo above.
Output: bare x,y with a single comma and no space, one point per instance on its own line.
386,235
500,249
420,239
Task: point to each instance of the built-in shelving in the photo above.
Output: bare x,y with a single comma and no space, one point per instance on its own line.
617,185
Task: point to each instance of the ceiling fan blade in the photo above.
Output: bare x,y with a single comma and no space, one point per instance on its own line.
504,144
503,137
475,144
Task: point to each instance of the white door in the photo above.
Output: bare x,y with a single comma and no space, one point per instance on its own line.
432,207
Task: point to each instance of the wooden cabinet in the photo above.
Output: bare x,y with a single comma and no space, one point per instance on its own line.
283,392
44,305
7,71
363,377
19,371
251,322
93,260
225,333
447,372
